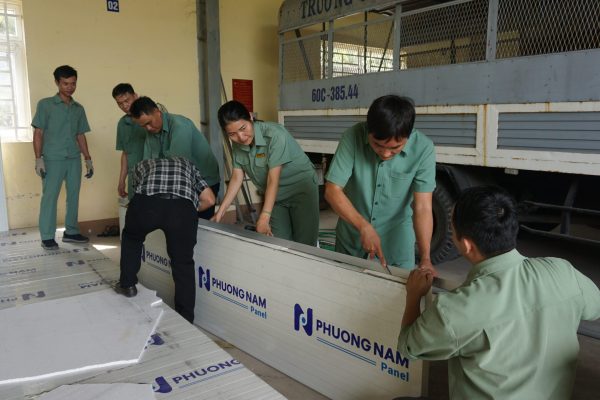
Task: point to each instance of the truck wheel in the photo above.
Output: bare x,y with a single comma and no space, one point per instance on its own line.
442,248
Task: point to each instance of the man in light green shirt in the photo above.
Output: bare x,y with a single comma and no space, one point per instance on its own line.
510,330
59,141
380,183
172,135
130,138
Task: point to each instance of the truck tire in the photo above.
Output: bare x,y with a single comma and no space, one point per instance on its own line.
442,247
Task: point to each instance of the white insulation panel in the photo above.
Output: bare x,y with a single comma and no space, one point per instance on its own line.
332,325
179,361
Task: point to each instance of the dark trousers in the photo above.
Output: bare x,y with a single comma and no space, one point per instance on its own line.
178,220
209,212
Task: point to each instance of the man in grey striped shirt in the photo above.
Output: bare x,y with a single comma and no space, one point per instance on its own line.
168,194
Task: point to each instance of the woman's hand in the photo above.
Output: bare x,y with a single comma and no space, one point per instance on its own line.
262,225
217,217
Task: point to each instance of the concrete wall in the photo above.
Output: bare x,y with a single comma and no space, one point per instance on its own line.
150,44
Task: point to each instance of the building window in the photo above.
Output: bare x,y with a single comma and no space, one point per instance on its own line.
15,111
353,59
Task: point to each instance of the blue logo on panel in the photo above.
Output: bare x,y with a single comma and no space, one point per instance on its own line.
161,385
156,340
189,378
303,320
241,297
388,360
204,278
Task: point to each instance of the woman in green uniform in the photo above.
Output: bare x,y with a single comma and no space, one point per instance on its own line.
279,169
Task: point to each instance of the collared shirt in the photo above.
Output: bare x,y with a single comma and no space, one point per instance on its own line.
60,124
175,175
510,330
181,138
130,139
274,146
382,191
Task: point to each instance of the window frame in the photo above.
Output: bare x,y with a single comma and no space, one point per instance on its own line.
15,107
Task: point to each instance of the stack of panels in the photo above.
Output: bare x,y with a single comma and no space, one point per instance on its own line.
28,273
180,361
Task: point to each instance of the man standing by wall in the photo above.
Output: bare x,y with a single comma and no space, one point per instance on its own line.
171,135
130,138
510,330
59,140
382,171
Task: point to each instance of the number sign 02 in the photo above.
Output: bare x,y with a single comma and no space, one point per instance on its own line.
112,5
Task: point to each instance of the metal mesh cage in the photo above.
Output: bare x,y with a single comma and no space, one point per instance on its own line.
445,34
450,32
364,48
305,57
547,26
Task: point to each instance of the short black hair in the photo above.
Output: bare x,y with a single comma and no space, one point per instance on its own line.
488,216
391,117
64,71
122,88
233,111
143,105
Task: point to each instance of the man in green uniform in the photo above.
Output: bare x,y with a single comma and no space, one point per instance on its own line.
130,138
510,330
382,171
172,135
58,142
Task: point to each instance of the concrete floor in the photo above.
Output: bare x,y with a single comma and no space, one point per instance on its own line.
587,385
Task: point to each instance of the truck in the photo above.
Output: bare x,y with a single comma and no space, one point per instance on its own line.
508,91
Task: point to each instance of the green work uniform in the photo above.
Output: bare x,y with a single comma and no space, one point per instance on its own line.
295,215
509,331
382,192
60,124
130,140
180,138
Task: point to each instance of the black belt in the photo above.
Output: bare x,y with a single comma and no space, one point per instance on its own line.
168,196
